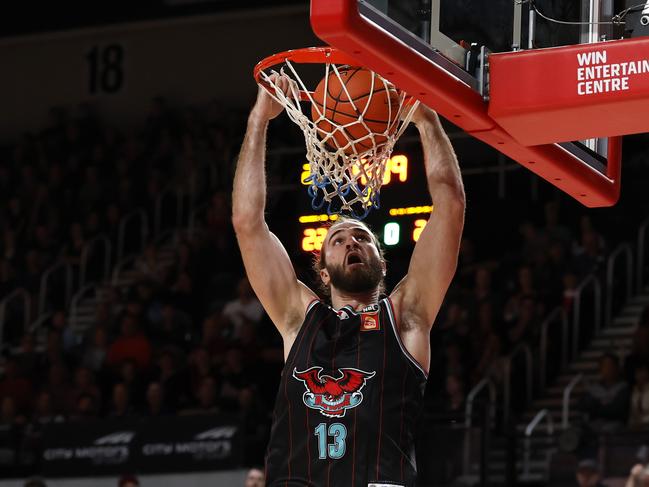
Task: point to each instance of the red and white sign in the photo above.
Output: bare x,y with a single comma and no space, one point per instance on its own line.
571,93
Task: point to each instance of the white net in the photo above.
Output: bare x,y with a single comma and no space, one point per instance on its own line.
348,152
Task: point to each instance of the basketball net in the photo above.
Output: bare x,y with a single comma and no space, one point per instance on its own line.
347,176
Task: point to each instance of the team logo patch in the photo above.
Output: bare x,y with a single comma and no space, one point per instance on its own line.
333,397
370,322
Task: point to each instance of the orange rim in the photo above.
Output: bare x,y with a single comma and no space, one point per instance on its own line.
307,55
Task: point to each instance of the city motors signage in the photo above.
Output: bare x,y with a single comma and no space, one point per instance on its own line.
151,445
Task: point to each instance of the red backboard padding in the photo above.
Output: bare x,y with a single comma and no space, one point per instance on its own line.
339,23
572,93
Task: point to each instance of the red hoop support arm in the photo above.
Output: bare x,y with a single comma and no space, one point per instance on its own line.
339,23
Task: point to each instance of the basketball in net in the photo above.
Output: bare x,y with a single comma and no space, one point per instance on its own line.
351,118
353,111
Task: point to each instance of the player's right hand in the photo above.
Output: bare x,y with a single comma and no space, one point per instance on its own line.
266,107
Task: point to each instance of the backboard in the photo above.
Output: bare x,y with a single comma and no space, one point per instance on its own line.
439,52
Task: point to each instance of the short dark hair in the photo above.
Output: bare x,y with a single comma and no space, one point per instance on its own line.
609,356
35,482
320,258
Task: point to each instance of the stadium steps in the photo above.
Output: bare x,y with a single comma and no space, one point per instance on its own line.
86,310
617,338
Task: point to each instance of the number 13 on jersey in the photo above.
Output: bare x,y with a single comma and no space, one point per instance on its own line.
335,449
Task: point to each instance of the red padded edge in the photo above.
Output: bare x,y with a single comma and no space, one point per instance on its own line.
339,23
542,96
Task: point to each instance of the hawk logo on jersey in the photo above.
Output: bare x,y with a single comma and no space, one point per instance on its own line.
333,397
342,314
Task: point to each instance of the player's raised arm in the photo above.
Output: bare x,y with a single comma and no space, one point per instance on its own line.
434,260
267,264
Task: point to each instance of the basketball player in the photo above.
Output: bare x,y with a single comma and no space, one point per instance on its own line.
356,367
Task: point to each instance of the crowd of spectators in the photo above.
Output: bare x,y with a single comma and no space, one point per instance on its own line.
187,335
495,304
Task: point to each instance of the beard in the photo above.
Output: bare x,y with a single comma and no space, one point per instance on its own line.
361,279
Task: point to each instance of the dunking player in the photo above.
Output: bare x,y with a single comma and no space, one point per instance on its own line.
355,369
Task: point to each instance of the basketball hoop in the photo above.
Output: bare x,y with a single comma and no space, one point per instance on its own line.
347,153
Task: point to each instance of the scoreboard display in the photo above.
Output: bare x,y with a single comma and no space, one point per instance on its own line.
404,211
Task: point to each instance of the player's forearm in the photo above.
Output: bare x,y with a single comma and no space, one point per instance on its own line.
442,168
249,192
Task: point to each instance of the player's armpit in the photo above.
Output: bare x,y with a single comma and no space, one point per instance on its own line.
272,277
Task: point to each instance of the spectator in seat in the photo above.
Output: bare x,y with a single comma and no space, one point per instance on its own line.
28,359
255,477
130,344
74,246
245,307
213,338
128,481
69,339
200,368
174,385
525,288
95,353
84,384
35,482
59,388
452,404
639,351
486,344
155,401
525,324
86,408
129,376
121,402
590,255
206,399
588,474
44,412
148,265
235,378
606,402
174,328
639,413
14,385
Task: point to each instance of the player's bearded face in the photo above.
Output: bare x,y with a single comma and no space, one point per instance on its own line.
356,278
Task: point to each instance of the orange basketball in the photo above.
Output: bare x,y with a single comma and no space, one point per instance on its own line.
344,104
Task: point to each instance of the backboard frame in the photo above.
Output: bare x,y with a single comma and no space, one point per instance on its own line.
353,27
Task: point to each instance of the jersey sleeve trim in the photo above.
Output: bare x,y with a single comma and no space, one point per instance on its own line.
310,306
393,321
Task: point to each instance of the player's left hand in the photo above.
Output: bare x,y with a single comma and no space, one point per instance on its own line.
266,107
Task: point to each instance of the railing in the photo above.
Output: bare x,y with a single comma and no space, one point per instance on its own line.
176,194
543,343
74,305
120,267
121,236
507,378
642,241
86,254
540,416
44,287
565,414
38,323
468,416
19,293
622,249
576,320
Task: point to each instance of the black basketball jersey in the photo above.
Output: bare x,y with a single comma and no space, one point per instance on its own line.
347,404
